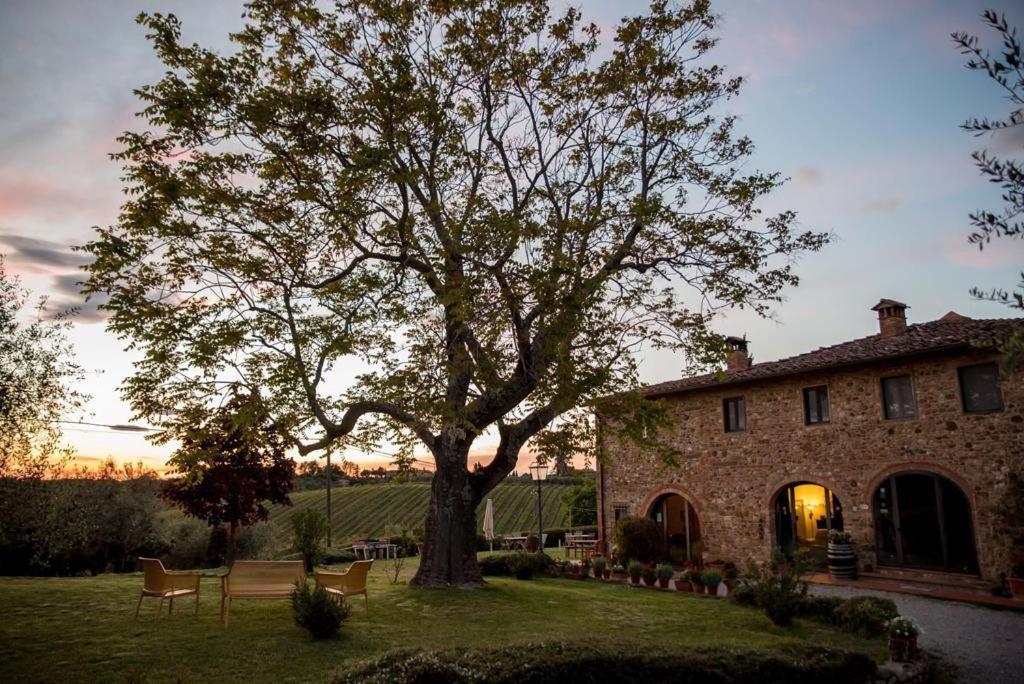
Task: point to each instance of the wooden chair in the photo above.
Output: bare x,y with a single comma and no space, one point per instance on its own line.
156,581
259,579
352,582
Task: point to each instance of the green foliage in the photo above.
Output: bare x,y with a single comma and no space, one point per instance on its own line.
649,575
711,578
581,503
634,569
820,608
744,595
624,662
230,464
1006,70
866,615
309,530
509,564
664,572
316,611
637,538
335,556
599,563
420,188
779,588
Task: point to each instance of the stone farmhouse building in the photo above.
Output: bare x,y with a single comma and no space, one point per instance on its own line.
903,438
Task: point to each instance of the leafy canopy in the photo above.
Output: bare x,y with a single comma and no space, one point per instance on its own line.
485,207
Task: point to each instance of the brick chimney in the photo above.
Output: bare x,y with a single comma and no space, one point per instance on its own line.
736,357
892,317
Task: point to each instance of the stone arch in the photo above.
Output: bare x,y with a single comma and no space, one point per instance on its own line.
658,492
778,485
923,466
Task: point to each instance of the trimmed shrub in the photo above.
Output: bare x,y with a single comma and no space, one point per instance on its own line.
743,595
638,538
628,663
866,615
820,608
316,611
506,564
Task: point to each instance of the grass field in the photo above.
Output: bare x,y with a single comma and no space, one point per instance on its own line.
81,629
368,510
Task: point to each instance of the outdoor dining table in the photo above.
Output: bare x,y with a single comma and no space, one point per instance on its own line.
512,542
373,549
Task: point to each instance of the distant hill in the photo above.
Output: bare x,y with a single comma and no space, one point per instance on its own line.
367,510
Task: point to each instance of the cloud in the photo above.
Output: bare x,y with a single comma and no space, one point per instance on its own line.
41,256
882,204
808,176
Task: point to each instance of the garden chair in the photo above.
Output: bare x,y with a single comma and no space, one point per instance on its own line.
156,581
352,582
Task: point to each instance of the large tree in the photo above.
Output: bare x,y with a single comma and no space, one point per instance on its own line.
489,205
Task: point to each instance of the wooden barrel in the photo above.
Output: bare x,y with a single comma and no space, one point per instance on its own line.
842,561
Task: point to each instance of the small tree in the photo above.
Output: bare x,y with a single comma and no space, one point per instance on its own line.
581,501
637,538
230,464
309,531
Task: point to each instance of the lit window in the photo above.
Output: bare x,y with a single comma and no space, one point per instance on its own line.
734,411
898,396
816,409
979,388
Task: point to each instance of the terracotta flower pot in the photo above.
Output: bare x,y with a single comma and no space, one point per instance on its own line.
902,649
731,584
663,583
683,585
607,573
634,579
712,590
1017,587
698,588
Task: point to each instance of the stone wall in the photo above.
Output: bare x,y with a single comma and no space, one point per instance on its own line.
732,479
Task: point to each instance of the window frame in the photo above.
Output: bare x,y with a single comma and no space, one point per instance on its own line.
805,405
963,395
741,416
913,396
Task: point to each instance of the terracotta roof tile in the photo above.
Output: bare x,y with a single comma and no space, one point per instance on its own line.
950,332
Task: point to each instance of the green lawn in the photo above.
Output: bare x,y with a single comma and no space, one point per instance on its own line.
81,629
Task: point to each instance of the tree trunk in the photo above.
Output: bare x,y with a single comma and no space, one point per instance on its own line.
449,550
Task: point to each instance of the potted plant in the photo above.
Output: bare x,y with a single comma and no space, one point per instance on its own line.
599,564
695,581
711,579
731,576
842,559
664,574
1016,578
584,568
635,570
683,583
718,565
649,575
618,572
903,633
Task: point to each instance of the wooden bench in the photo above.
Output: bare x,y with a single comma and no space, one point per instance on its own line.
259,579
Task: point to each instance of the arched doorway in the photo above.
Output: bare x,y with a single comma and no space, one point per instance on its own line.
680,526
923,520
804,514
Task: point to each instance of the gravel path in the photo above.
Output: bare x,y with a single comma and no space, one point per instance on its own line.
987,645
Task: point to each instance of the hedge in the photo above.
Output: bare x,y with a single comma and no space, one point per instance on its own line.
558,662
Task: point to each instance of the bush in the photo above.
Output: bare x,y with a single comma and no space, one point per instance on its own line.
522,565
866,615
628,663
638,538
599,563
778,587
337,556
316,611
254,542
820,608
309,529
185,541
506,564
743,595
635,569
664,572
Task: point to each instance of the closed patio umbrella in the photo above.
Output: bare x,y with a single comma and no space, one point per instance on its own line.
489,522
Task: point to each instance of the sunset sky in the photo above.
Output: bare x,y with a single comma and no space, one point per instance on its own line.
857,102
